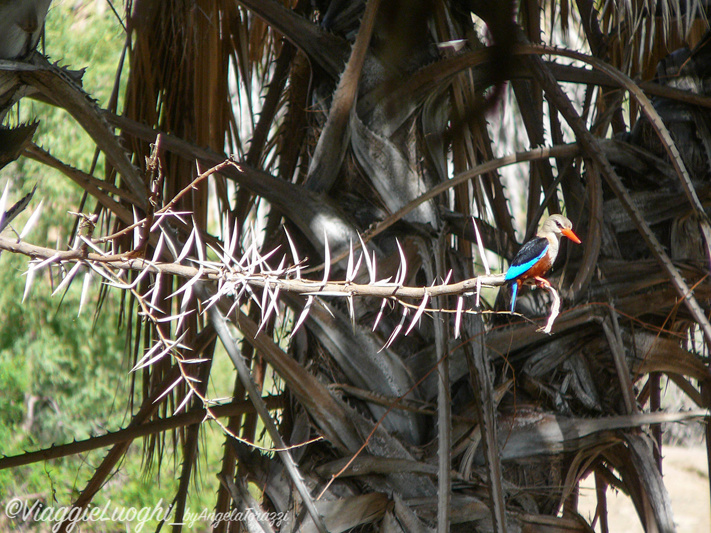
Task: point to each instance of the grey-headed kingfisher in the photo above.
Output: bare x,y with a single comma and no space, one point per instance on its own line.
536,257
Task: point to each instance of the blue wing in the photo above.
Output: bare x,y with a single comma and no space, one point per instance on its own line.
529,254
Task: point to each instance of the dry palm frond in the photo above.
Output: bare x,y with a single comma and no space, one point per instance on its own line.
388,169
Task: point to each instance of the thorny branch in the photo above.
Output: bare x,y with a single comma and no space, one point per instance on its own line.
234,278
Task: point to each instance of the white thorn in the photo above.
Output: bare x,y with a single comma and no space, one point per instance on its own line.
458,317
418,314
31,221
482,251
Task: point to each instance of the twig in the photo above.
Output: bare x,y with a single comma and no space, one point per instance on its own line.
234,279
237,275
614,339
134,431
555,309
220,325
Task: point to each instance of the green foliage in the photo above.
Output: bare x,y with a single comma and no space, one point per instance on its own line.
59,372
64,376
50,358
59,361
71,370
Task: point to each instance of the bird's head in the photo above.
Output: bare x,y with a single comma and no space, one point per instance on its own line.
559,225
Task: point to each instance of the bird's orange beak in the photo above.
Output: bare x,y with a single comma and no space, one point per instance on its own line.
572,236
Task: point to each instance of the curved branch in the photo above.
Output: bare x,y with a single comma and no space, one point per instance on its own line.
655,120
593,150
133,431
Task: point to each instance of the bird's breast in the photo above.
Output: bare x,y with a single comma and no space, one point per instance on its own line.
541,267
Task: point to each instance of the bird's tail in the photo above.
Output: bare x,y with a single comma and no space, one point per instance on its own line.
514,291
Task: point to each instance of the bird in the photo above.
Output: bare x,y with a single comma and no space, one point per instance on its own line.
536,257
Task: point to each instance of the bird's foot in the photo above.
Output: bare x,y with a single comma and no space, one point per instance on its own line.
541,283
